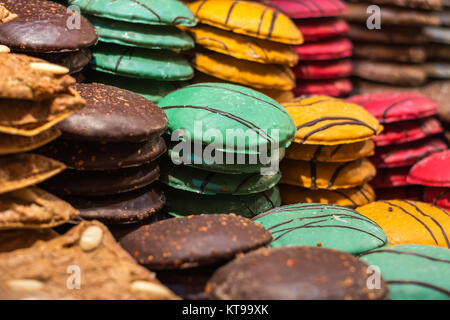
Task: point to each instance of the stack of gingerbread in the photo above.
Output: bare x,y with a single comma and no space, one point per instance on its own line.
411,132
324,66
245,42
399,43
326,163
34,97
139,44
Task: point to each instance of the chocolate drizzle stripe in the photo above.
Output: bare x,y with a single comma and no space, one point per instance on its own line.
230,11
272,23
417,219
261,20
337,172
330,125
149,9
441,195
298,105
432,218
316,121
336,149
214,40
419,283
313,174
289,230
383,116
246,205
268,199
242,121
199,7
207,180
342,194
246,180
317,6
406,253
317,152
343,215
124,53
362,191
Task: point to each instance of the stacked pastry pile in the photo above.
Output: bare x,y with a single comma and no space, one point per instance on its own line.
327,162
247,43
409,48
43,29
138,44
35,95
409,135
433,173
324,65
111,148
245,128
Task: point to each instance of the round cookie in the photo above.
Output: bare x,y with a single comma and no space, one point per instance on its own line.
169,12
10,144
329,176
407,131
245,72
405,192
388,34
416,4
337,153
238,108
121,209
350,198
140,35
194,241
210,183
407,222
392,107
140,63
407,154
413,272
98,183
319,29
438,91
74,61
329,121
382,52
333,87
338,48
183,203
92,155
432,171
42,26
323,70
438,196
292,273
308,9
391,177
243,47
249,18
113,115
320,225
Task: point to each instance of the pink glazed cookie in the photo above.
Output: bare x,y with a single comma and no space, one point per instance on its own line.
333,88
433,171
323,70
325,50
302,9
319,29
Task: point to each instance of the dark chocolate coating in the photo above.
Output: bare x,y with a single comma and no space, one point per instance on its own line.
74,61
96,183
294,273
194,241
42,26
125,208
113,114
90,155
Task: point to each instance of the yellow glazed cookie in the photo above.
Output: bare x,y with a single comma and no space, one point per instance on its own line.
250,18
410,222
329,121
243,47
330,176
351,198
336,153
245,72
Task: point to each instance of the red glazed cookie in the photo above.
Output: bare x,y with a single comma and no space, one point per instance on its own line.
325,50
406,131
407,154
438,196
318,29
392,107
323,70
301,9
391,177
432,171
334,88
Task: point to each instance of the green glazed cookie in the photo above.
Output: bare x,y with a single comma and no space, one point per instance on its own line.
413,271
183,203
141,63
247,121
211,183
141,35
328,226
167,12
152,90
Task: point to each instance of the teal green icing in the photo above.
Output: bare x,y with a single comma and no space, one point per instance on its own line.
152,90
183,203
154,12
140,63
327,226
257,121
140,35
424,271
205,182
